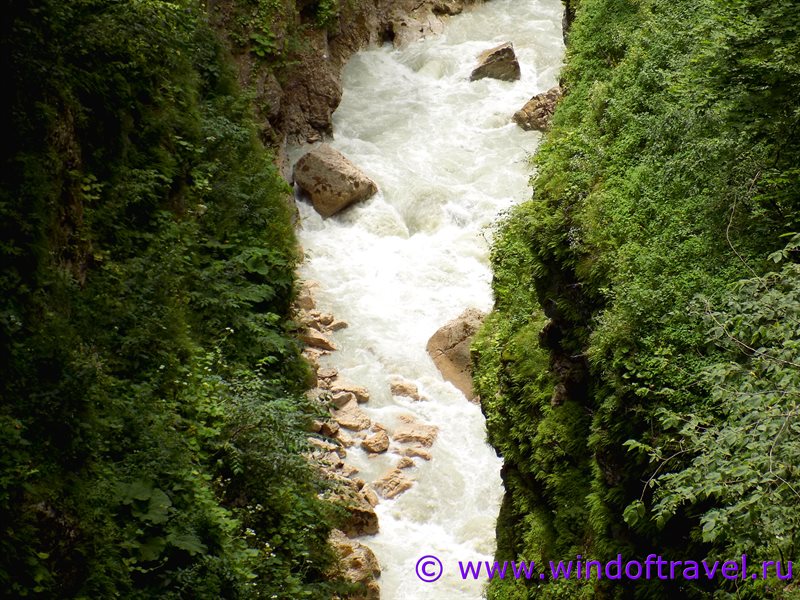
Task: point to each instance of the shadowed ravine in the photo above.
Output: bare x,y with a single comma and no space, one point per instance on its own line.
448,160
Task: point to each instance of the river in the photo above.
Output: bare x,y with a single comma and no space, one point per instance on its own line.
448,161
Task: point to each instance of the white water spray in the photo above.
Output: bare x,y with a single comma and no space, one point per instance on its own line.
448,160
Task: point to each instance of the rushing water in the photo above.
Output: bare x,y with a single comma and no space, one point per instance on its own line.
448,160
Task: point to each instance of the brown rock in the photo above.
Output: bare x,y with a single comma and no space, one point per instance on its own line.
331,180
348,470
411,430
312,356
405,463
344,438
340,385
538,111
498,63
377,442
327,373
449,349
418,451
393,483
337,325
361,518
340,398
357,564
370,495
352,417
322,445
329,428
400,387
312,337
305,298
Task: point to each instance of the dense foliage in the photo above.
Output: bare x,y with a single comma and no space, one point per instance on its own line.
152,414
640,371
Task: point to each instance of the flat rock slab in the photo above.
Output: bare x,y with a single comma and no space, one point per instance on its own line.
331,181
499,62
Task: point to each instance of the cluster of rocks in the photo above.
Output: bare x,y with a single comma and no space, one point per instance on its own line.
501,63
347,426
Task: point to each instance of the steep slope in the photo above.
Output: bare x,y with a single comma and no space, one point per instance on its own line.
152,414
642,396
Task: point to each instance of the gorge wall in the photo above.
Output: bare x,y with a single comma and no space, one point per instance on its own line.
640,354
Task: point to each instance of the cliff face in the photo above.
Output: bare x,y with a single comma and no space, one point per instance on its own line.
293,62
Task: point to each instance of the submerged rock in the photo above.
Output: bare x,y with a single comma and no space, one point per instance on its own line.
538,111
449,349
332,182
498,63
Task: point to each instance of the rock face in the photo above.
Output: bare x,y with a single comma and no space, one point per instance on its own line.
332,182
498,63
449,349
538,111
357,564
361,519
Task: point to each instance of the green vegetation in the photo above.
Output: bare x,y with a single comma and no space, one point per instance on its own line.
641,371
152,416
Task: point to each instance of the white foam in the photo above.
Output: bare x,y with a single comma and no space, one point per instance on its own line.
447,160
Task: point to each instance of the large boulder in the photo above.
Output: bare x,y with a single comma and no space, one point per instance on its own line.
498,63
449,349
538,111
331,181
